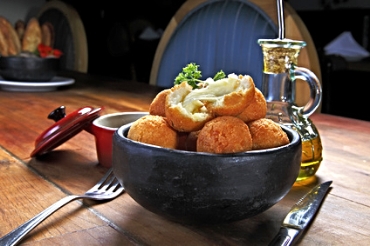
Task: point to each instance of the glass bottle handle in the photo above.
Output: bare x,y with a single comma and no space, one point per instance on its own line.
315,88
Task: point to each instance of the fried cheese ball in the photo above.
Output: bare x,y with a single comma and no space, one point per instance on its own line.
257,108
267,134
188,109
153,129
233,94
157,106
181,118
224,134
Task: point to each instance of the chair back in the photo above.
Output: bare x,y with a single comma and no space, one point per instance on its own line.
217,35
222,35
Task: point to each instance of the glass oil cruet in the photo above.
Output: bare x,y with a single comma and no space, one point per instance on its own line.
280,71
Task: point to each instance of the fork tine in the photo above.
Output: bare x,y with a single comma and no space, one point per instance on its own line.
103,180
113,189
115,186
108,183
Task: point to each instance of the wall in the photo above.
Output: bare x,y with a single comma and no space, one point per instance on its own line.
14,10
24,9
300,5
335,18
113,31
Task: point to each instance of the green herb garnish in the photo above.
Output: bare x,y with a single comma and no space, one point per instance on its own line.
191,74
219,75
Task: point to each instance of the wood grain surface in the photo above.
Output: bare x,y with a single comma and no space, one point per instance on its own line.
29,185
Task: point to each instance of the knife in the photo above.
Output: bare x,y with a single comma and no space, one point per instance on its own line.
300,216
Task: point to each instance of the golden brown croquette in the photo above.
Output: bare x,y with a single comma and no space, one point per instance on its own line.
157,107
185,118
153,129
224,134
267,134
257,108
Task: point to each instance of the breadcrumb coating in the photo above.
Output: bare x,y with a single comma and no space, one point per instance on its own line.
222,116
153,129
266,133
224,134
157,106
257,108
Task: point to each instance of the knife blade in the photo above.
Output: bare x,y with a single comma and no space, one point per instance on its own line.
300,215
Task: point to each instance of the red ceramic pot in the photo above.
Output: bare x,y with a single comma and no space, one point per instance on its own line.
104,127
88,119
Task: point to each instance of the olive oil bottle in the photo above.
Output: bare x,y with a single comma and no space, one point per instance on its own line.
280,71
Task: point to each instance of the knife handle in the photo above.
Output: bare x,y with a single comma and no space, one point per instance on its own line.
285,237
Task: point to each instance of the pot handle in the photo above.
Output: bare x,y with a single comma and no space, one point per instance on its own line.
57,114
60,113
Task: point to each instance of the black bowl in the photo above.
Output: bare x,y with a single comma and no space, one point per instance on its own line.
200,188
28,69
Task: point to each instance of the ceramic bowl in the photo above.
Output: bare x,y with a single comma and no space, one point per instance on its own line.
28,69
198,188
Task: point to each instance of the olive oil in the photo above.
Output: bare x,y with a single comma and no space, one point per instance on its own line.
311,144
311,158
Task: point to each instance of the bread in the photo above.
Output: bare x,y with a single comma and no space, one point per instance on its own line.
24,38
20,27
47,31
3,45
32,36
9,41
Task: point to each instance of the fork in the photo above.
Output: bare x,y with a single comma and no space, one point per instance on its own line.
107,188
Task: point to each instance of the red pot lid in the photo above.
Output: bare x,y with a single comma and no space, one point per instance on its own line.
65,127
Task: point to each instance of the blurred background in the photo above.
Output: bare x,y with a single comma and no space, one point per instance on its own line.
122,37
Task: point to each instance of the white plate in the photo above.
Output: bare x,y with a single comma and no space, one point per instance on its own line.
35,86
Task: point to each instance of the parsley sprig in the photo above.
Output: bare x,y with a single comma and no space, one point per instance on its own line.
191,74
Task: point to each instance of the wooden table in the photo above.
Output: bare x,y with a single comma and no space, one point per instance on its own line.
29,185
